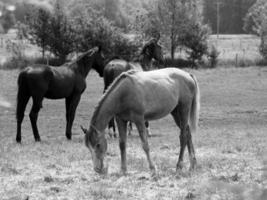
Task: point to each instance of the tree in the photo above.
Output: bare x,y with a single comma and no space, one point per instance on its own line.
255,18
179,22
7,20
62,37
93,28
256,23
38,22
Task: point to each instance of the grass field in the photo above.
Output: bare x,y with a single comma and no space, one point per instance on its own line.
230,147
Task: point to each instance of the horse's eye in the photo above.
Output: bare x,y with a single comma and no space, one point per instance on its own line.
97,146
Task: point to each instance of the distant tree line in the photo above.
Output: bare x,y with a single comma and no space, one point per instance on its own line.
72,26
231,15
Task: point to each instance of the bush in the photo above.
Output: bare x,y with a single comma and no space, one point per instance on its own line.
18,59
178,63
213,57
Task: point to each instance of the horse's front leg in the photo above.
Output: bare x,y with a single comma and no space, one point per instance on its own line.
36,106
71,105
143,136
122,127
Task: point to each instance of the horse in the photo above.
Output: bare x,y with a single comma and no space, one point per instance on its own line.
140,96
66,81
142,63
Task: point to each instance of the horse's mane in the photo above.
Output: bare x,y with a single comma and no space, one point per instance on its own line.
114,84
89,52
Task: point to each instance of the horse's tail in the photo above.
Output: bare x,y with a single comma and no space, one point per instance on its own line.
23,94
194,114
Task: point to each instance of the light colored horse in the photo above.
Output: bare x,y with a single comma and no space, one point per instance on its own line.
143,96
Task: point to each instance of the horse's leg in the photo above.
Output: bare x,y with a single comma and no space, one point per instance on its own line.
111,126
191,150
122,126
72,102
67,106
180,120
143,135
21,106
37,105
130,128
148,129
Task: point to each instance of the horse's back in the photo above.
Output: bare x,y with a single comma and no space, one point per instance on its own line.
117,66
160,91
50,82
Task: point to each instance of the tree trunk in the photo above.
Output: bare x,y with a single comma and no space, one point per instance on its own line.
172,50
172,46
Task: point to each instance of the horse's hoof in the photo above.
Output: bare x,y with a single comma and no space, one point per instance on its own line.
37,139
179,166
193,167
68,137
18,140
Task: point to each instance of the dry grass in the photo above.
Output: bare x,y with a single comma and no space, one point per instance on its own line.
230,147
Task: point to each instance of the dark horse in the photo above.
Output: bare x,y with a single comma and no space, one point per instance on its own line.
66,81
142,63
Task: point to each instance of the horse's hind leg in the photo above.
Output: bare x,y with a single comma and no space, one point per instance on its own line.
181,117
143,135
21,105
71,106
183,136
37,105
191,150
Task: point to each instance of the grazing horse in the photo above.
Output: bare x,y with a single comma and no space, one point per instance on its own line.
139,96
66,81
142,63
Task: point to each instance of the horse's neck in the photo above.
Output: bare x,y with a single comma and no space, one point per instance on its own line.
145,61
82,69
105,111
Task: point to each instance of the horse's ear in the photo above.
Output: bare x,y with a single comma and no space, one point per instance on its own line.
84,129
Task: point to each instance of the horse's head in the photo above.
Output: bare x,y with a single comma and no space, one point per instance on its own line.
93,58
97,144
153,50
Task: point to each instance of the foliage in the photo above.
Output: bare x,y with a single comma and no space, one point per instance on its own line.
213,57
180,25
18,59
263,47
195,38
62,33
94,29
7,20
255,18
38,21
256,23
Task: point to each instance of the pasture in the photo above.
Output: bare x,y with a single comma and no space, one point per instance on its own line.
230,147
